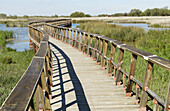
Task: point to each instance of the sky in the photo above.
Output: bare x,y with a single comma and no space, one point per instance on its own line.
66,7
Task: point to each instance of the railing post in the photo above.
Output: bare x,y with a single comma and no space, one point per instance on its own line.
100,51
120,61
58,32
146,83
85,43
167,104
77,40
39,97
137,94
70,37
155,105
104,55
36,48
33,46
67,36
73,40
81,41
96,48
89,45
64,35
112,54
131,75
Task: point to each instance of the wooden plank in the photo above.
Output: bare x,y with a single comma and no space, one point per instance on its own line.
42,50
21,96
161,62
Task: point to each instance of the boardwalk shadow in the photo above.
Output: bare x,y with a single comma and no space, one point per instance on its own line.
80,98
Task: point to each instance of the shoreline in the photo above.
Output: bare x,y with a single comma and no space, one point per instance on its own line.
163,21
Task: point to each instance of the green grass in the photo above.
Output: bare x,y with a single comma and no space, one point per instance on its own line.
155,42
5,35
15,23
127,34
11,72
159,26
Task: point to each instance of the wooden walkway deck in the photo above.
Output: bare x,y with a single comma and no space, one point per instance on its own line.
81,85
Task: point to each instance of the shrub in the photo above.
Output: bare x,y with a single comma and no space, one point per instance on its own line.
6,60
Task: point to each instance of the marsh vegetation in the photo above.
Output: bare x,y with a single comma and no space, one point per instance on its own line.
153,41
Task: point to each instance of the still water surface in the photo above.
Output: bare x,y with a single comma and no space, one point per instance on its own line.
21,39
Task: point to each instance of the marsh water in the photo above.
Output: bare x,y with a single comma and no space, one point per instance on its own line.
21,39
141,25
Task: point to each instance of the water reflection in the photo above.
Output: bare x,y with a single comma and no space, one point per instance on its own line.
21,39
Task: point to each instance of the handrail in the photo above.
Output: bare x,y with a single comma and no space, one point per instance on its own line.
83,41
37,79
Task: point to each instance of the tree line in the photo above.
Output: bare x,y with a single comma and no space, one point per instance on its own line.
148,12
134,12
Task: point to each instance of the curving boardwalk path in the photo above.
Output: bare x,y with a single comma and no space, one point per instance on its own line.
81,85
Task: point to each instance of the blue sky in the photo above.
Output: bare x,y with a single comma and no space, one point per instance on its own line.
66,7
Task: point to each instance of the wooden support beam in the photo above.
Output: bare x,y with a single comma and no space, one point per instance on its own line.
112,55
131,75
81,41
146,83
120,61
104,55
89,45
100,51
85,43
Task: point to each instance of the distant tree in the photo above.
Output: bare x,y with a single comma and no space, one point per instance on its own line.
25,16
54,15
77,14
103,15
2,15
147,12
88,15
117,14
135,12
13,16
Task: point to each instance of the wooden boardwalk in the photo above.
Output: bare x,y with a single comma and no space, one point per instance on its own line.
80,85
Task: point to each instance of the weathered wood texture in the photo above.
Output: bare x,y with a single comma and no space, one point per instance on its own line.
80,84
98,50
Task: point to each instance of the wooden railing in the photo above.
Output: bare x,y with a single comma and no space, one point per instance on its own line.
96,46
34,88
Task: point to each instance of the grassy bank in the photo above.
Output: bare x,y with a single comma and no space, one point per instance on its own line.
127,34
15,23
5,35
156,42
12,66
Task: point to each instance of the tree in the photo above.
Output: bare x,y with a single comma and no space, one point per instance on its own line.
88,15
103,15
2,15
77,14
135,12
25,16
54,15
